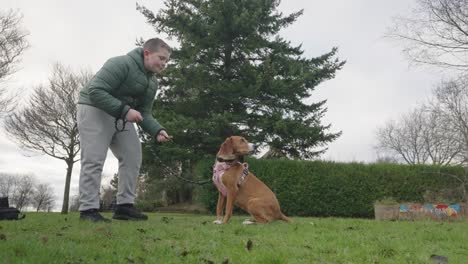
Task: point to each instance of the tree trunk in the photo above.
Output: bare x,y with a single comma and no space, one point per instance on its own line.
66,193
164,198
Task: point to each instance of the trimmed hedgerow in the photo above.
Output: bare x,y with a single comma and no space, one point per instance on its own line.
323,188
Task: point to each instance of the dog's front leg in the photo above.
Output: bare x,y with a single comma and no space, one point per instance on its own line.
219,209
231,197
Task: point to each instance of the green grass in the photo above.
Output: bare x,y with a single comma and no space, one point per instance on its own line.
180,238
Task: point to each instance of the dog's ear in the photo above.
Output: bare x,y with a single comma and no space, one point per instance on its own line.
226,149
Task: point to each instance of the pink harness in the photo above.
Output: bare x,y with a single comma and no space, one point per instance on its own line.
219,169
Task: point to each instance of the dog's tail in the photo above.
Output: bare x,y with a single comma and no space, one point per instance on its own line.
285,218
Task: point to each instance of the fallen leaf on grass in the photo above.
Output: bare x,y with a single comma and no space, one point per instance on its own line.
104,231
19,252
249,245
166,219
387,252
145,248
207,261
438,259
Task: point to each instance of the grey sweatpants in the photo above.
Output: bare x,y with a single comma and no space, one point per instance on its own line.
97,135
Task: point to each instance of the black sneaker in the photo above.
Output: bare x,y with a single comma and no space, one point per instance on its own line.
93,215
128,212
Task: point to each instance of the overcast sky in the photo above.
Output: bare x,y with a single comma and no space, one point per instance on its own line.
376,84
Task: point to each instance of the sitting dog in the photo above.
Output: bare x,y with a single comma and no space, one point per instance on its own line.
236,185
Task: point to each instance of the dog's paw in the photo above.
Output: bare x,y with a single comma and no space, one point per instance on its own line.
248,222
218,222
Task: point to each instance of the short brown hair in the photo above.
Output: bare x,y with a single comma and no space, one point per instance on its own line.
154,44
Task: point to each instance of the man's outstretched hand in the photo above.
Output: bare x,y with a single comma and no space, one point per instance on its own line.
163,136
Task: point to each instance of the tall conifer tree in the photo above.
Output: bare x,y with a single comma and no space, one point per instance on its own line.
232,74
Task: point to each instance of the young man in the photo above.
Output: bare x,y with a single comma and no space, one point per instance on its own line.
120,94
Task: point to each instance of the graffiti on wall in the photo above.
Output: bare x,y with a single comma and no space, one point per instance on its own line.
436,211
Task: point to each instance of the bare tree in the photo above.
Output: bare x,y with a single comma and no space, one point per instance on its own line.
12,45
442,142
451,100
75,203
404,138
421,136
48,123
8,183
23,193
436,132
435,33
43,197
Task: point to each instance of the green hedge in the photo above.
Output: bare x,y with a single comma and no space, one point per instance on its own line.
318,188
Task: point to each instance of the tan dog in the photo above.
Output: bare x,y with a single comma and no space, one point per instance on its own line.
236,185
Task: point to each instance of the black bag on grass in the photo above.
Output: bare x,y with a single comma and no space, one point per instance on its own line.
7,212
4,202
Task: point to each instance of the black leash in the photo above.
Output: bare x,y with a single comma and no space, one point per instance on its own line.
180,177
194,182
124,122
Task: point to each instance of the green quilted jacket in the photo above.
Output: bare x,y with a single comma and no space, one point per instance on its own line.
124,83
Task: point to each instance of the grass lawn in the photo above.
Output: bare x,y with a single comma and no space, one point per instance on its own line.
186,238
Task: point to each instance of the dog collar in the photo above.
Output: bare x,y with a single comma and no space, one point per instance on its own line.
224,160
